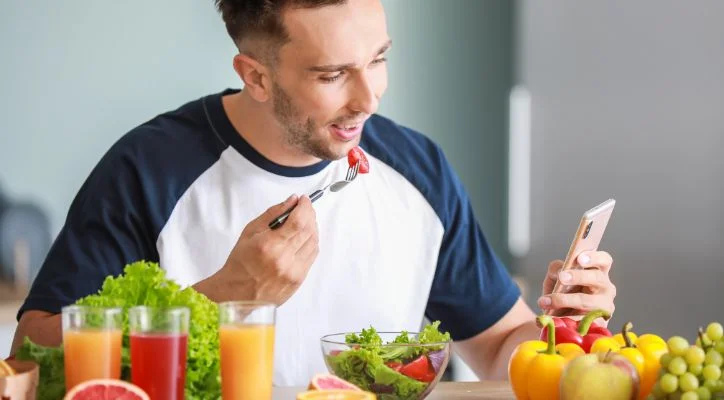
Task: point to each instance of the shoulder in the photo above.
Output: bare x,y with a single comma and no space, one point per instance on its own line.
150,167
399,145
175,140
173,148
417,158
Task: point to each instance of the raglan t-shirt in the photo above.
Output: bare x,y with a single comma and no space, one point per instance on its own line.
397,245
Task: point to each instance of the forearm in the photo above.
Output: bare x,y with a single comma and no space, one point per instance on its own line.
527,331
42,328
487,353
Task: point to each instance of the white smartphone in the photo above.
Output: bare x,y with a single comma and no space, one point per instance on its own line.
588,238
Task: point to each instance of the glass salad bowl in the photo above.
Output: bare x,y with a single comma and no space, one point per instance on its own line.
392,365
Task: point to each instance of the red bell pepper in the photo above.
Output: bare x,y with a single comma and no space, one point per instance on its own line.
582,333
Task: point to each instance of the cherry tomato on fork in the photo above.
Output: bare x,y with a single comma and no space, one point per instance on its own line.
356,154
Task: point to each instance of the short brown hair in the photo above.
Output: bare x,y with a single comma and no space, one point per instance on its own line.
262,19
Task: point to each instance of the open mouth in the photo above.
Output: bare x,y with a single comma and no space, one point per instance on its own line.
346,127
347,131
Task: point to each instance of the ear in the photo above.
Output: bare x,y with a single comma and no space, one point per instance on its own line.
255,76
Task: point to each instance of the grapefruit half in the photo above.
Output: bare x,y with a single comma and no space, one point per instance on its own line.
328,381
106,389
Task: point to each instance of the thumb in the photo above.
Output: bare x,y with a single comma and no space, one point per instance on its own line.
261,223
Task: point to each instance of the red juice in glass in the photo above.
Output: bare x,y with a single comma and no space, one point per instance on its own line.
159,340
158,364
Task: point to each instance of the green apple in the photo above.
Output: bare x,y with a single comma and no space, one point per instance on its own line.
608,376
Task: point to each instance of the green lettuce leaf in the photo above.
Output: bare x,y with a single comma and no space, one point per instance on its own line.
366,369
50,362
368,338
145,283
431,334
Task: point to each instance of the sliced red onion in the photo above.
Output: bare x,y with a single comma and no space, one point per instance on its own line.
380,388
437,358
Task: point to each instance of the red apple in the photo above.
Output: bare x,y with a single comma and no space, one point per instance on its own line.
600,376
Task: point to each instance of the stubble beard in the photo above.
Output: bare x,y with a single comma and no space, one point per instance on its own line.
299,131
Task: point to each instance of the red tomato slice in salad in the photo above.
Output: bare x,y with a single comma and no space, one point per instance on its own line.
356,154
394,365
419,369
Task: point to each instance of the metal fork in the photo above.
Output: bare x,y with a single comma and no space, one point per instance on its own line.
333,187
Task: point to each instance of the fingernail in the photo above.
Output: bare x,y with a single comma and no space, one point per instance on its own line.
292,197
584,259
564,277
544,302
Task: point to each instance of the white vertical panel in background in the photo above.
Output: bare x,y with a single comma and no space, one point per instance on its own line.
519,172
6,337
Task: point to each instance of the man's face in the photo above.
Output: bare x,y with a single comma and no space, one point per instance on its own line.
330,76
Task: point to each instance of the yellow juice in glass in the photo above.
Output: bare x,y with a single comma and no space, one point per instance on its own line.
247,361
91,354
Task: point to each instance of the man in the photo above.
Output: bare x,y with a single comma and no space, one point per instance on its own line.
395,245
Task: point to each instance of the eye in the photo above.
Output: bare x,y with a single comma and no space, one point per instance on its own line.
330,79
379,60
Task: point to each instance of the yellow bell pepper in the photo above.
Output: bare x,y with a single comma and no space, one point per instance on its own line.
606,344
642,351
652,347
569,351
631,352
535,367
621,342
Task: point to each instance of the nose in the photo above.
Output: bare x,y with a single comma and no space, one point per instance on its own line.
363,96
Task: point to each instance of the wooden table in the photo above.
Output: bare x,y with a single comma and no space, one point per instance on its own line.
443,391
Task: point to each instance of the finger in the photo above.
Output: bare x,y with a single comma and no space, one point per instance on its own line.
308,252
303,259
591,278
300,224
553,268
576,301
596,259
552,276
261,223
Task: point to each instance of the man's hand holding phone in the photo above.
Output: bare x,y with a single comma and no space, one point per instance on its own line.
581,282
592,286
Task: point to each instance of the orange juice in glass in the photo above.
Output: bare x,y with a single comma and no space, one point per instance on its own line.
91,343
246,340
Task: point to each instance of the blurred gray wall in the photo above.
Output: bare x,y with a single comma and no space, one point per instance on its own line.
627,101
76,75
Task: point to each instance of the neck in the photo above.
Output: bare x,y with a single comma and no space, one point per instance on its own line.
255,122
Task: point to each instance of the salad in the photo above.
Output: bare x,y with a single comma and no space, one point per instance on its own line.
399,369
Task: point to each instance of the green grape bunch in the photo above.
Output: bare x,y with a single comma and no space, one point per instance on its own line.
693,371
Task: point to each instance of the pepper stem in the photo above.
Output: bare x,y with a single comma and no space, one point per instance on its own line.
624,332
586,322
547,322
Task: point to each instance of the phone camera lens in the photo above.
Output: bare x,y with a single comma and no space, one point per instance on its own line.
588,229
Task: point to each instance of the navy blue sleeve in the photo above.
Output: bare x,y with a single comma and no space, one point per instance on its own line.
471,289
106,228
120,209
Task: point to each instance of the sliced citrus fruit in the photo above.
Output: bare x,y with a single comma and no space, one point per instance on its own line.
338,394
328,381
6,369
106,389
